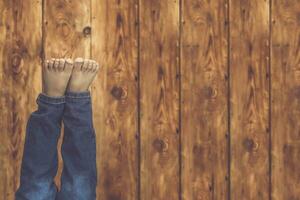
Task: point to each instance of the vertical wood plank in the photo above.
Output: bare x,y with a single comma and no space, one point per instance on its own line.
159,87
249,85
285,74
204,72
66,28
20,47
114,46
66,33
5,114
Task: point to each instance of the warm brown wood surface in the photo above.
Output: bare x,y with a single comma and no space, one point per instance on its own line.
204,81
159,99
249,99
285,76
114,45
19,82
196,100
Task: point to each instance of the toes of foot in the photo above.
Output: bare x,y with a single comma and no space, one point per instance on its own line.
50,64
94,66
97,67
46,64
61,65
90,66
68,64
56,65
80,60
85,66
78,63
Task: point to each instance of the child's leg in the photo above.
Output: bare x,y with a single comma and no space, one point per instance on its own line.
39,162
79,176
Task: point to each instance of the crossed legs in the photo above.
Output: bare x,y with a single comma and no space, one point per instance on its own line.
65,98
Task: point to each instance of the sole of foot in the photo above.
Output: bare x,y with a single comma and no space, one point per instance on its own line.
84,72
56,75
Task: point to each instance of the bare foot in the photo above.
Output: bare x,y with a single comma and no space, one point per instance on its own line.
83,74
56,75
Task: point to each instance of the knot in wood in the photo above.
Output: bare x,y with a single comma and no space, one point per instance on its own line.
202,195
87,31
118,92
160,145
119,20
160,72
65,29
250,145
16,63
209,92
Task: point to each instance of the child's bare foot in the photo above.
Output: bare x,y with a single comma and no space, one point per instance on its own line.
83,74
56,75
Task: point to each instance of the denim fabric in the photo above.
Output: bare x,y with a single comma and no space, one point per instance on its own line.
79,176
39,162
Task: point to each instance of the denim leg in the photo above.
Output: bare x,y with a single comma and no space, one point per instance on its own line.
79,176
39,161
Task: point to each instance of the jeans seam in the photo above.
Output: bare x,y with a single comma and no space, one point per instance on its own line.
72,97
56,103
50,100
78,95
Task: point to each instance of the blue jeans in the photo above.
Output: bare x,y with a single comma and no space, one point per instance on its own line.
39,162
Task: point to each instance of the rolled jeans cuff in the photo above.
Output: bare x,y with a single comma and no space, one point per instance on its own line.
77,96
50,100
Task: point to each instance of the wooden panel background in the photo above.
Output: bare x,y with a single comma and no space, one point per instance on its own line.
196,100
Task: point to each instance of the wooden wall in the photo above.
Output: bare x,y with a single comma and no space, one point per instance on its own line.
196,100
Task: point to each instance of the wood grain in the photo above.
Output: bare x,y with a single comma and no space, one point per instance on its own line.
20,47
66,34
195,99
285,59
159,87
204,72
66,28
114,46
6,119
249,99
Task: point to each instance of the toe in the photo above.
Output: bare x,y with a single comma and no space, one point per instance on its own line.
85,65
46,64
90,66
78,63
61,65
51,64
68,64
94,66
97,67
56,64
